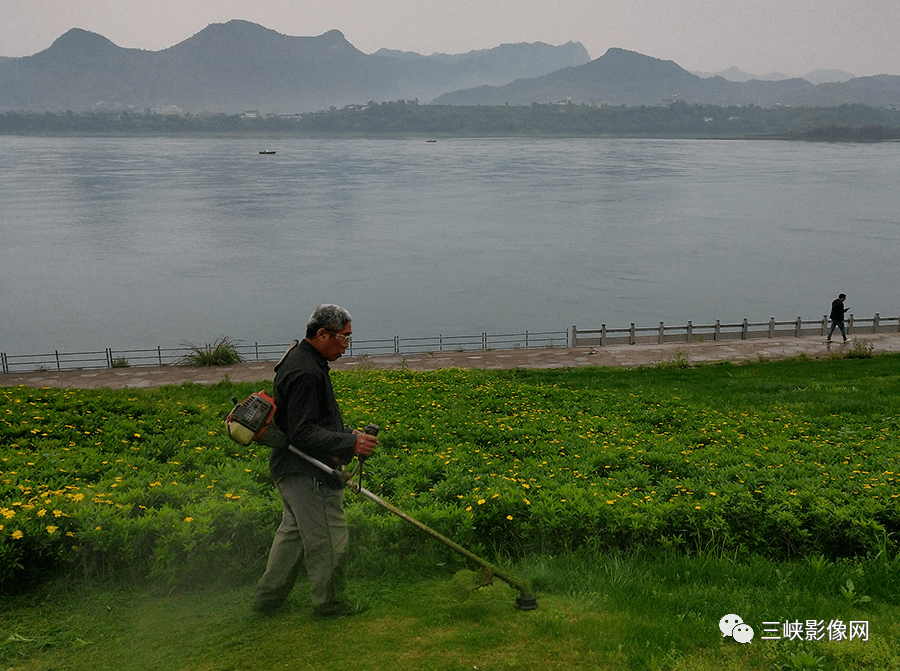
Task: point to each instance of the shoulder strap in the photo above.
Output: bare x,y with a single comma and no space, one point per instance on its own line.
286,352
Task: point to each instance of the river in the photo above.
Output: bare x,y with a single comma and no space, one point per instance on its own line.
139,242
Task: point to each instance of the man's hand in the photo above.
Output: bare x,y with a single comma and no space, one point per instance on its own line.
365,444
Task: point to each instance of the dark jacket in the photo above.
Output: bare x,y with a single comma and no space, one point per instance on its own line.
838,310
308,414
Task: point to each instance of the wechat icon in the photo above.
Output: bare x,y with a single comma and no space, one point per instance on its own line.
733,625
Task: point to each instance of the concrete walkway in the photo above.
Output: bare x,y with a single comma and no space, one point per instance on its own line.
616,355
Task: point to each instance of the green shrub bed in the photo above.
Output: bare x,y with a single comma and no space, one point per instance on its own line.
779,459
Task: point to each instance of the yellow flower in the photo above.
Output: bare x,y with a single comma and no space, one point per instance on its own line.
41,512
481,502
17,534
52,530
188,519
509,517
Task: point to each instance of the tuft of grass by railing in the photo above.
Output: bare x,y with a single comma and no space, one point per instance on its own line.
222,352
860,349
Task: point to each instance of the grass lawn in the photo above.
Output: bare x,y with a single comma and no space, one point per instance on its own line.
595,612
642,506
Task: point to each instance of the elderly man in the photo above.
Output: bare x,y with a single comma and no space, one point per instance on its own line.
312,522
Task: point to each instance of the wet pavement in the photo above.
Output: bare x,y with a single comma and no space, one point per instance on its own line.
561,357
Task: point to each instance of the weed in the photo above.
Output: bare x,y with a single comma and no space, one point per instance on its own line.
678,360
802,660
818,564
848,591
222,352
860,349
364,362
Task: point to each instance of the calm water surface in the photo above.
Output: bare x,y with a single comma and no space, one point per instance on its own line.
131,243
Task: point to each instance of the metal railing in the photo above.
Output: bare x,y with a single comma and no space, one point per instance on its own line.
604,336
173,356
743,330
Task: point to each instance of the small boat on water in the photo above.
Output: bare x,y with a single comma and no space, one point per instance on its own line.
266,151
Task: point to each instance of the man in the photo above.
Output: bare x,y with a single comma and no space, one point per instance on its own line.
312,522
837,316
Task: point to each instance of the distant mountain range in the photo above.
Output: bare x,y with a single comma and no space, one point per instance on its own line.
734,74
621,77
240,66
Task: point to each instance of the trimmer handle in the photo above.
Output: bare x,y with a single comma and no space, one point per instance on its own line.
372,430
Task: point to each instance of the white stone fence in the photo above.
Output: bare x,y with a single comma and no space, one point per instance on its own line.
743,330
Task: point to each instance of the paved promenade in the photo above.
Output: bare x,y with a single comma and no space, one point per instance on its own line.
616,355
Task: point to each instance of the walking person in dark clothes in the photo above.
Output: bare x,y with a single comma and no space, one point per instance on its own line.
312,523
837,317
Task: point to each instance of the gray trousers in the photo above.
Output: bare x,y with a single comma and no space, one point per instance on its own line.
312,526
834,324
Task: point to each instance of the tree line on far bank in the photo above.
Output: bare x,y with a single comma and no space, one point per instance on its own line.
401,117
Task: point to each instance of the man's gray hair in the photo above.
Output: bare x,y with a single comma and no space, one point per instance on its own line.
330,317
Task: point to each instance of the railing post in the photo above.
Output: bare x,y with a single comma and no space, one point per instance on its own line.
876,323
631,339
109,360
824,324
603,333
744,327
3,360
57,360
850,325
689,332
159,354
574,336
771,327
662,334
484,341
396,344
718,330
798,328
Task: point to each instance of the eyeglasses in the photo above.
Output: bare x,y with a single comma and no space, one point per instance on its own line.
345,338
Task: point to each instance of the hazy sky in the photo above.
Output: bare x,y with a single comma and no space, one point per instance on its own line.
793,37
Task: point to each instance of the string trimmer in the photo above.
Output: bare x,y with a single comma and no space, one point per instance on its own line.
251,421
